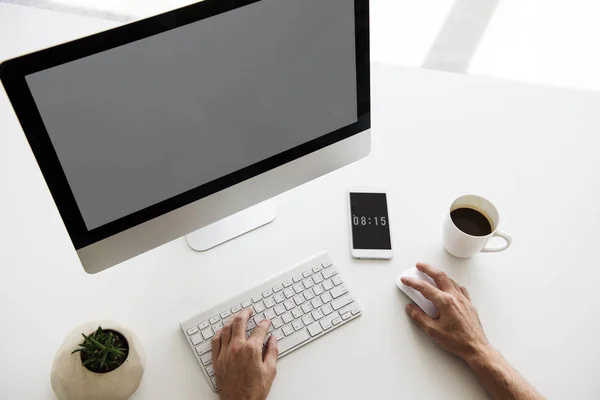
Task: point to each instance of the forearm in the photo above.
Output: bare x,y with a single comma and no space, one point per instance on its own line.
499,378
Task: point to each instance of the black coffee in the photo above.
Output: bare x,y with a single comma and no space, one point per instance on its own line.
471,222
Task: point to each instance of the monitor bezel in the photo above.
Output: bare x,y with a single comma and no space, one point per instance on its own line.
13,73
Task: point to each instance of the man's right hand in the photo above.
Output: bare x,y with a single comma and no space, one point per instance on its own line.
458,329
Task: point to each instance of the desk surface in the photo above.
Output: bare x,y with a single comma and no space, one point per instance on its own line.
531,150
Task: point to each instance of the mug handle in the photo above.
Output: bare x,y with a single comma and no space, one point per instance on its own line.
504,235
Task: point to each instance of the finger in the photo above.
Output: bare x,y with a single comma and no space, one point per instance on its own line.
240,322
429,291
465,292
439,277
216,345
260,332
225,335
423,320
271,352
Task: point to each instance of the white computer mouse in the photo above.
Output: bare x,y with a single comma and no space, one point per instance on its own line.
425,305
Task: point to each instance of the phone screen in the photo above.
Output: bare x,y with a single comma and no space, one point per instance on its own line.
370,222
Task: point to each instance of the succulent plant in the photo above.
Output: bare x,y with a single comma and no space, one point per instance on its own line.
103,351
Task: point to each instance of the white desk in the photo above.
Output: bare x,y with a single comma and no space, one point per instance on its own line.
531,150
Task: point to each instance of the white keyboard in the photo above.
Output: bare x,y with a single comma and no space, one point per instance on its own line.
303,304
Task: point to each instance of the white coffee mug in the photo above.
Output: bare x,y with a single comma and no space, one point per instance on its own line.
463,245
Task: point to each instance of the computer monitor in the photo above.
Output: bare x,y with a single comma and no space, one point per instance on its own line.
150,131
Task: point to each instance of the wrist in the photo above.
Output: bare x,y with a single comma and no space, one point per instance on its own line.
481,356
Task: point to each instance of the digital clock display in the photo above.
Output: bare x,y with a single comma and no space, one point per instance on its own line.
370,222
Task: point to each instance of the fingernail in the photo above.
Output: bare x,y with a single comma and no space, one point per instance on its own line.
408,307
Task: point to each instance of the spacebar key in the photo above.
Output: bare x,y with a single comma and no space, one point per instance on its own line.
292,341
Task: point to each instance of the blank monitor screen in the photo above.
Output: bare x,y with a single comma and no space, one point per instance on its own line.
143,122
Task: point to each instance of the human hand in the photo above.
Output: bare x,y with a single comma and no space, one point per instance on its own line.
243,370
457,328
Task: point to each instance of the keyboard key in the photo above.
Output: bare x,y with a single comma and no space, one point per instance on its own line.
270,302
325,324
347,308
336,280
318,268
318,289
307,273
289,292
341,302
328,273
206,358
317,315
257,298
316,302
297,325
287,317
306,307
217,327
235,309
279,309
346,316
210,371
317,278
270,314
196,339
326,309
277,322
298,288
356,310
279,297
278,335
251,324
297,279
293,340
314,329
338,291
259,307
213,380
326,264
289,304
203,325
328,285
207,333
308,283
297,312
247,303
225,314
192,330
214,319
308,294
336,321
326,298
277,288
268,332
258,318
267,293
299,300
203,348
307,319
287,283
287,330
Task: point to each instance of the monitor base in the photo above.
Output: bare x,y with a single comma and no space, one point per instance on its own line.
233,226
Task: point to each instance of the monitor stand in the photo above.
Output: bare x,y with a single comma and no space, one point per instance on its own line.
233,226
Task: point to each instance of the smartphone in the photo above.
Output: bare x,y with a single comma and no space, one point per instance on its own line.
370,232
